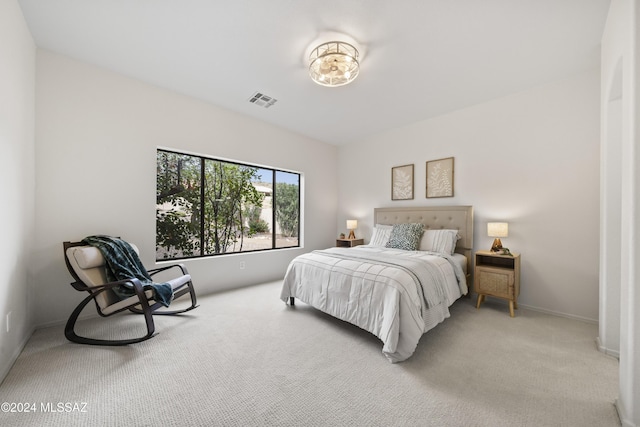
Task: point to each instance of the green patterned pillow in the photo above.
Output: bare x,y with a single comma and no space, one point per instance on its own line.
405,236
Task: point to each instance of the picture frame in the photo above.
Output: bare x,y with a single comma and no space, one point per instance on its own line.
440,178
402,182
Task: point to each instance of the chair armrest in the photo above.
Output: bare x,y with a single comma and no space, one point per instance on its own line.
182,267
82,287
138,288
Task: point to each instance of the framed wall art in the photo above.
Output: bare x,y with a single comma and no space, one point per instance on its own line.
402,182
440,178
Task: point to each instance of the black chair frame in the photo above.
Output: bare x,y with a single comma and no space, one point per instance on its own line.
141,306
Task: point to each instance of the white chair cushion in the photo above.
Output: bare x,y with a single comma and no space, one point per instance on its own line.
176,283
88,263
90,256
86,256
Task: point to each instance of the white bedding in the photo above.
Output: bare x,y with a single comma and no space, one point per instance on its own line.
396,295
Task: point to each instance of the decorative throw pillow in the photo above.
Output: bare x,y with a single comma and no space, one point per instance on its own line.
405,236
441,241
380,235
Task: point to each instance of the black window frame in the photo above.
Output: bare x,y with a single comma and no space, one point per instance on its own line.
202,206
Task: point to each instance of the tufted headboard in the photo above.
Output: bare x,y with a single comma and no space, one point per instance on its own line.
434,217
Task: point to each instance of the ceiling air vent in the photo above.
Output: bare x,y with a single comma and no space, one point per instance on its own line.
262,100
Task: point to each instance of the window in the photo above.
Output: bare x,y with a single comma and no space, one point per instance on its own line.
207,206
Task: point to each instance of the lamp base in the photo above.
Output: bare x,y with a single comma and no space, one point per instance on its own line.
497,245
352,235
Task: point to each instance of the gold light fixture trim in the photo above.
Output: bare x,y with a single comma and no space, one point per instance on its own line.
334,64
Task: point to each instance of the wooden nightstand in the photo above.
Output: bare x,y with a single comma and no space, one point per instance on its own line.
497,276
349,243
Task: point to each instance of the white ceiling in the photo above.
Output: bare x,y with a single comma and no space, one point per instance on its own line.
420,58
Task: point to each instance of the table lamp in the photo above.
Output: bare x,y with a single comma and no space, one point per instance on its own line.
497,230
352,224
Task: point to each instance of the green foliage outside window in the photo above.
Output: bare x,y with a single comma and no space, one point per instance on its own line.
207,207
178,205
256,224
227,188
287,208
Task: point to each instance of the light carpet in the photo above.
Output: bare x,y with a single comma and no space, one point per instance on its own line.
244,358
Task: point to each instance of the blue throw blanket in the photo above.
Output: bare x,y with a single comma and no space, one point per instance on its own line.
123,263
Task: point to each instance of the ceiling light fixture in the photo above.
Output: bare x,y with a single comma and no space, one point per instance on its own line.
334,64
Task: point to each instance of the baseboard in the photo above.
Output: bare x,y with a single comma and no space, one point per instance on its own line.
559,314
607,351
61,322
55,323
620,410
544,310
4,370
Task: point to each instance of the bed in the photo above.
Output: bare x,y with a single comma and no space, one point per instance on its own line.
395,293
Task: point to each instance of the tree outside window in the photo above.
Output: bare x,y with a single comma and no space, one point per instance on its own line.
206,206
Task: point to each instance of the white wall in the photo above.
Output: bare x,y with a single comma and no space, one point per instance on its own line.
621,160
97,134
531,159
610,227
17,177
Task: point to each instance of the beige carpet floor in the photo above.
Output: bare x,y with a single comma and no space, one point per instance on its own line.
244,358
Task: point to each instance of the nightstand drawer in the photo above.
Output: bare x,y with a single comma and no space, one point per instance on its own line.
349,243
497,275
495,281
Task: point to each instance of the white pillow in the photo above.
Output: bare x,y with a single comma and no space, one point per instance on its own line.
441,241
381,234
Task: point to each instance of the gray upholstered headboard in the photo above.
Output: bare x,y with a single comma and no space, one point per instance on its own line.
434,217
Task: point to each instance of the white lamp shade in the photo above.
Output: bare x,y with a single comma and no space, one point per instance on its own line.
352,224
498,229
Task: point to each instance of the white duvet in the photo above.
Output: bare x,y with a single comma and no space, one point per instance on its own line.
396,295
